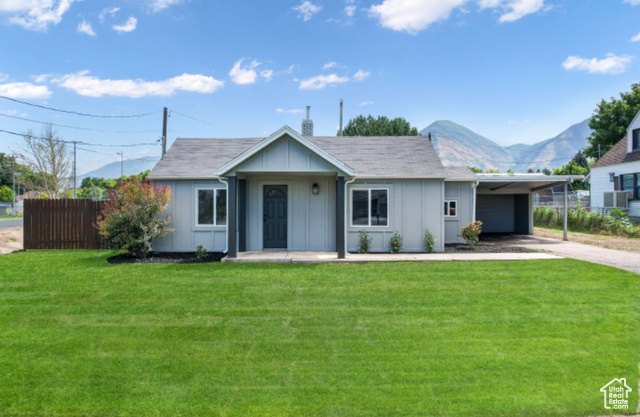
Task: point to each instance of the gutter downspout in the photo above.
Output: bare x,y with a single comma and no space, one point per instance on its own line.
226,238
346,212
474,200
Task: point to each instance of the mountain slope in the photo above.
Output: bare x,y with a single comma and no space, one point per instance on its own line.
131,166
457,145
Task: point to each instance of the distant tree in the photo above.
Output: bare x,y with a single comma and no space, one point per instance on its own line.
381,126
49,157
6,194
581,160
475,170
611,120
573,168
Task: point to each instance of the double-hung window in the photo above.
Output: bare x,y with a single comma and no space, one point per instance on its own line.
631,183
450,208
212,207
370,207
635,140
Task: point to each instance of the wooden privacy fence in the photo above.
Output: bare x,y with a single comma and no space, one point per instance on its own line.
61,224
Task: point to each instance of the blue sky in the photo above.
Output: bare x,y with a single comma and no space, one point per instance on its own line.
515,71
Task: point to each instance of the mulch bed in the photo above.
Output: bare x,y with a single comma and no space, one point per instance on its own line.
166,258
490,243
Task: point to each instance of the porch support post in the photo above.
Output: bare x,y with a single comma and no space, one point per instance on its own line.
242,215
232,243
340,213
566,204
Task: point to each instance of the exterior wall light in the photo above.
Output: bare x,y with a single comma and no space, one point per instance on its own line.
315,188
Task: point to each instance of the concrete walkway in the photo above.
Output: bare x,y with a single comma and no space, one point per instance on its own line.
629,261
321,257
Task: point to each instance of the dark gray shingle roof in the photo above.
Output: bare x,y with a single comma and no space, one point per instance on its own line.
397,156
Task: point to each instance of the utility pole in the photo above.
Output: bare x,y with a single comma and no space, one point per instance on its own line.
75,188
164,131
121,163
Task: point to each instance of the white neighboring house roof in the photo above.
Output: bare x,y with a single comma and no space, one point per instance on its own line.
285,130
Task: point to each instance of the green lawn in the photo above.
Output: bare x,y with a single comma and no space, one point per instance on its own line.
7,217
538,338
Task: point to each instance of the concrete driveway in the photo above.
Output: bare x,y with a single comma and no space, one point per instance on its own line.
629,261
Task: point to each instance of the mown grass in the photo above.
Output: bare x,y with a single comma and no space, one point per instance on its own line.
537,338
9,217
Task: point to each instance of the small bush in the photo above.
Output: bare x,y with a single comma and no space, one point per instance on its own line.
365,241
130,217
471,233
429,241
395,243
201,253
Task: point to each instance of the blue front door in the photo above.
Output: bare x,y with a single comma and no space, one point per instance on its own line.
275,217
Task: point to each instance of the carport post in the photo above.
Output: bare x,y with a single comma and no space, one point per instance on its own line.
566,204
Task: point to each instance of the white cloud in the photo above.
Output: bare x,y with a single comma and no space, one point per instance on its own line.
35,14
267,74
25,91
636,38
360,75
246,75
412,16
86,85
350,8
365,103
110,11
321,81
612,64
515,9
3,77
632,2
85,27
330,65
291,111
129,26
306,10
158,5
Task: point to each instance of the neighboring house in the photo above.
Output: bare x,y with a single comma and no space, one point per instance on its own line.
615,178
307,193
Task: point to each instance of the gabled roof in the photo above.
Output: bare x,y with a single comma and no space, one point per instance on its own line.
617,155
365,157
385,156
285,130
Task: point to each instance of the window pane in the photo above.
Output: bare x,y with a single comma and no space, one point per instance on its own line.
359,211
221,207
452,208
378,207
205,206
636,139
627,182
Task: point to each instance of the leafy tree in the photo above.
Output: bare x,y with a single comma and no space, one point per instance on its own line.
130,217
611,120
6,194
573,168
381,126
49,158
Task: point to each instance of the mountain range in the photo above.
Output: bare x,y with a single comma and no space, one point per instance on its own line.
454,144
457,145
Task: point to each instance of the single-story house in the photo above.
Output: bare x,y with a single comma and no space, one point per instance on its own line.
615,177
309,193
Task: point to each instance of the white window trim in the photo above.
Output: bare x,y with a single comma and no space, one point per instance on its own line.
448,202
215,206
369,207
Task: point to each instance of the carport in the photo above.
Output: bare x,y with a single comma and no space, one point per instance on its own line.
504,202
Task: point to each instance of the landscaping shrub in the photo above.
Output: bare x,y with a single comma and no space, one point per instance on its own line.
395,243
201,253
129,219
471,233
429,241
365,241
617,222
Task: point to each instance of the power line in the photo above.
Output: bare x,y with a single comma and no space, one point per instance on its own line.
79,142
77,127
192,118
80,113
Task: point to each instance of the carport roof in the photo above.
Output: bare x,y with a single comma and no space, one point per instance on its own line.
522,183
